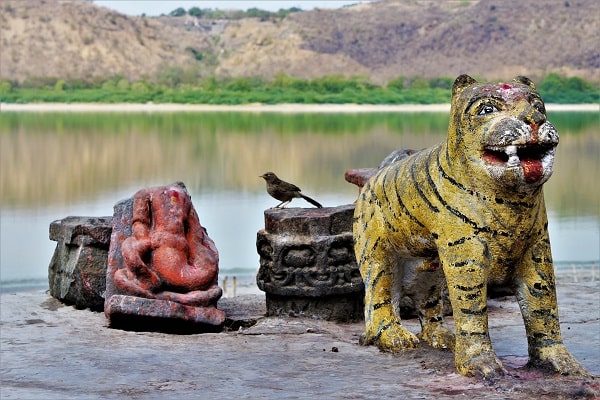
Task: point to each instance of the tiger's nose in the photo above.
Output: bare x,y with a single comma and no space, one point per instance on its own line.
532,117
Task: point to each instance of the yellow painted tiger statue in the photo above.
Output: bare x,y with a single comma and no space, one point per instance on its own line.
466,213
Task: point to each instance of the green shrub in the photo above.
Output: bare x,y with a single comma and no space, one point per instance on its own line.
5,86
60,85
123,84
396,84
178,85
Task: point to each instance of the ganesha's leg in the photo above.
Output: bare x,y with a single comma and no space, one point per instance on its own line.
178,274
196,298
536,294
136,271
382,323
200,269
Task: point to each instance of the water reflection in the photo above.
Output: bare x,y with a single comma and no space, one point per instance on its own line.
54,165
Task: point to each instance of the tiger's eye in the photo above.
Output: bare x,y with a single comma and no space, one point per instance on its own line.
487,109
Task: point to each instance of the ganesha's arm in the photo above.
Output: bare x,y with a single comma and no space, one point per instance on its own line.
199,241
135,246
203,252
140,220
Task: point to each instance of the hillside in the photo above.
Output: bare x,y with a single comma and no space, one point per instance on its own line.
73,39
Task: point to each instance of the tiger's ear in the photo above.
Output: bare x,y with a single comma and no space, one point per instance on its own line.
524,80
461,83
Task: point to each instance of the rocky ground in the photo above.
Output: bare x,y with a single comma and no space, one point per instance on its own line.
53,351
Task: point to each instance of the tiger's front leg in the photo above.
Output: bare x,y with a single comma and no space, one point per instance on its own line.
536,294
382,324
467,288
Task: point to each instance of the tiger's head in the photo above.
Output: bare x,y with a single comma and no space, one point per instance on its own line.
500,132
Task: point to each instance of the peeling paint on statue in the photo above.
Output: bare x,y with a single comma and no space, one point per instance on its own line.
474,206
161,265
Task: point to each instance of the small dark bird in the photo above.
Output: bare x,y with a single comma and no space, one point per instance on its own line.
284,191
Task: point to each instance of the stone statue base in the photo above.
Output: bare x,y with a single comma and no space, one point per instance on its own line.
136,313
307,264
339,308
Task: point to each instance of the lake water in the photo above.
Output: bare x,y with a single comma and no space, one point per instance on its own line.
53,165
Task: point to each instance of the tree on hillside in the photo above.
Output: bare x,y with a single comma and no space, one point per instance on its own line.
178,12
195,12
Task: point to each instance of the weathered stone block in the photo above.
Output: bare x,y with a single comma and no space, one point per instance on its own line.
307,263
77,271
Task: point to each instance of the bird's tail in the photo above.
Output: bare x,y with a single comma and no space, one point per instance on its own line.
311,201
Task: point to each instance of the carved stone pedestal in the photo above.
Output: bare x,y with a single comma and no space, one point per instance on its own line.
307,264
77,271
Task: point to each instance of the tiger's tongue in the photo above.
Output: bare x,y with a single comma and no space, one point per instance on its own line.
532,170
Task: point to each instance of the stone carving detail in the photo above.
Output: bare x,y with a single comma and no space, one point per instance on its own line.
307,257
162,266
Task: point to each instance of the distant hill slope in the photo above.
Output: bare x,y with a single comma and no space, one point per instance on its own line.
491,39
75,39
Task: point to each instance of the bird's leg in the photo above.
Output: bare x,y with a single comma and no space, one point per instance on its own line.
282,204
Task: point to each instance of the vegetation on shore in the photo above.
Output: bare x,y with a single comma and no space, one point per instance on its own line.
218,14
177,86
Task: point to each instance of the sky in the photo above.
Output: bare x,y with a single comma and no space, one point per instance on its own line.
158,7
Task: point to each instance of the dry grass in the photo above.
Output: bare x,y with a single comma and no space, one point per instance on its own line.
77,40
72,39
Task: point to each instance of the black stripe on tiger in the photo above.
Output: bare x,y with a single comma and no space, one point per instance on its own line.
549,313
468,311
377,306
463,333
453,210
373,283
381,329
469,288
404,209
391,209
418,188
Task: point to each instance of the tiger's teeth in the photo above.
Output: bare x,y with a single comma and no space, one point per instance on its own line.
513,158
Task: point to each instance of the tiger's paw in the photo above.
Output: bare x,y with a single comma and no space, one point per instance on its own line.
557,359
394,338
438,337
484,365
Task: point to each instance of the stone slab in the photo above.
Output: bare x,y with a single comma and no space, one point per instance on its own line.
136,313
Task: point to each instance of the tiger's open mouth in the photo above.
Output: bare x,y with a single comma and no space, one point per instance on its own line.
529,157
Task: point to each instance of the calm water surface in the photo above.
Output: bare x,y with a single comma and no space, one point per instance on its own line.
53,165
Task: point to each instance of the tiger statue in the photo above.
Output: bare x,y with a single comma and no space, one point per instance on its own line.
466,213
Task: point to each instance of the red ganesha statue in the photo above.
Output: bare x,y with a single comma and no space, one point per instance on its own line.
162,265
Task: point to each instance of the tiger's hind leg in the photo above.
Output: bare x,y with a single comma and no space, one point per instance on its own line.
430,281
382,324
